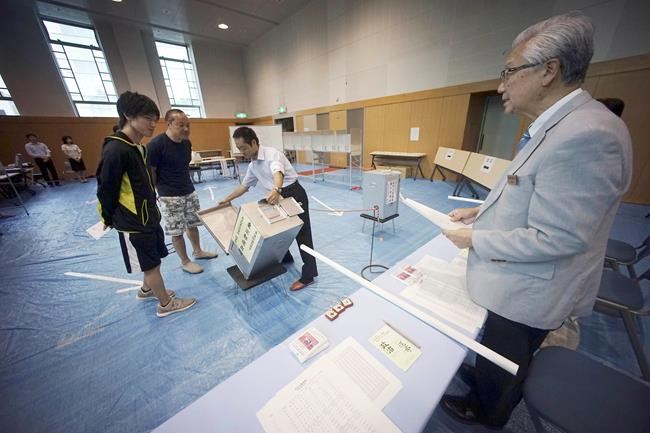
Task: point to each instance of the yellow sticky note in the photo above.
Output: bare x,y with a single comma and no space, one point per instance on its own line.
396,347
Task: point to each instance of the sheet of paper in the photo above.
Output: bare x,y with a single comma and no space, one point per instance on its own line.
397,347
97,230
323,403
363,370
438,218
345,390
415,134
488,162
442,290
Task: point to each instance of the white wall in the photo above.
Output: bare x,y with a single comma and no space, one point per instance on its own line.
221,78
31,74
27,66
335,51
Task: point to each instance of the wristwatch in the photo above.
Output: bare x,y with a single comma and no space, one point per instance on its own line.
278,190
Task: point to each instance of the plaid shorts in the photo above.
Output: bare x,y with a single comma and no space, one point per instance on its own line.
179,213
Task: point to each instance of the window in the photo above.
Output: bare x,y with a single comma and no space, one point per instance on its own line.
180,78
83,68
7,106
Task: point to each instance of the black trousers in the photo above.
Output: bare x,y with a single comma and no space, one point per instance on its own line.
309,270
498,392
46,167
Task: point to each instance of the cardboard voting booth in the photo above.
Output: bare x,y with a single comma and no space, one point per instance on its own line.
257,236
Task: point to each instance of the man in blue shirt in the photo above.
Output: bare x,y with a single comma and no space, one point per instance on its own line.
169,156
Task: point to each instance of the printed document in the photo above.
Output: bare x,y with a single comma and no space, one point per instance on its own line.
442,289
343,391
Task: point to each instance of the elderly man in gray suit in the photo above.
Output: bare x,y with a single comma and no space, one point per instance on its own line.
538,242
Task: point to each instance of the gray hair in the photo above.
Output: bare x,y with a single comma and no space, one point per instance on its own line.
568,37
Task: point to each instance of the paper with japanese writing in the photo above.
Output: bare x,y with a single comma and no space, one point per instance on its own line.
396,347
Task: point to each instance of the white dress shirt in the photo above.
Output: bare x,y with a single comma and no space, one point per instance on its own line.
534,127
268,162
38,150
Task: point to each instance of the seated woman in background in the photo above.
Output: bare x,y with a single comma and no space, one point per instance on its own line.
73,152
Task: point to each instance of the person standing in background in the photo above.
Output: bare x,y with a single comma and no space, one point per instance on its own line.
169,155
43,158
73,152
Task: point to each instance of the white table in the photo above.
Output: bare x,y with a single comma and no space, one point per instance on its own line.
231,406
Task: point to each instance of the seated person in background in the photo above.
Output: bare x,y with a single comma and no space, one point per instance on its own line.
615,105
43,158
275,174
127,200
168,156
73,152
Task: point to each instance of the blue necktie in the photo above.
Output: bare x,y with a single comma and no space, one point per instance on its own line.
524,140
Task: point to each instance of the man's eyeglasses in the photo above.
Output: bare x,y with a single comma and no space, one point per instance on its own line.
507,72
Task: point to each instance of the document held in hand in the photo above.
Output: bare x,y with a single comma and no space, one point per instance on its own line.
438,218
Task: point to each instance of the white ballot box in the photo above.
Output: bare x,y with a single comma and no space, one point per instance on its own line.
257,238
381,189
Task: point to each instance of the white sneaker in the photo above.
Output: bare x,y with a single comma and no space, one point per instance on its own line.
175,305
192,268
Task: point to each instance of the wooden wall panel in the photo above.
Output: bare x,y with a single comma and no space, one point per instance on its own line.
89,134
426,115
338,122
373,131
634,89
452,121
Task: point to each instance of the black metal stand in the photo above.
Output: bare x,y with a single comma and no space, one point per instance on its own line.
255,280
370,266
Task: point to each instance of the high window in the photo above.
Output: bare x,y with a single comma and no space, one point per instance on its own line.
6,103
83,68
180,78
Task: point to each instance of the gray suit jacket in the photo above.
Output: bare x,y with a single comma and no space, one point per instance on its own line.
539,244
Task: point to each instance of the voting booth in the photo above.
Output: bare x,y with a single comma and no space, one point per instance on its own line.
257,236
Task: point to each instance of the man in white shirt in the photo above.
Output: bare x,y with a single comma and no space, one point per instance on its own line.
275,175
537,245
42,157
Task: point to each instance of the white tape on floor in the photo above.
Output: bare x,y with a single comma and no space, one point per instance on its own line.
334,212
128,289
102,278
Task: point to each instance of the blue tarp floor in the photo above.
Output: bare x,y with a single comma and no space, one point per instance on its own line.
82,355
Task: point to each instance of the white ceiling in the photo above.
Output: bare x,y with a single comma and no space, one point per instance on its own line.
248,19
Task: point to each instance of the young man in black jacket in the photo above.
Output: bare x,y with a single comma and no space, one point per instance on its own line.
127,200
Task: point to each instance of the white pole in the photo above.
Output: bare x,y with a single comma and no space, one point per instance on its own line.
469,200
450,332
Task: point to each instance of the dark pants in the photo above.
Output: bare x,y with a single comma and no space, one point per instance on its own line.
309,270
497,391
46,167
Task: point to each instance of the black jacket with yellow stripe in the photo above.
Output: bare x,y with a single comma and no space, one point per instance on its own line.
127,198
